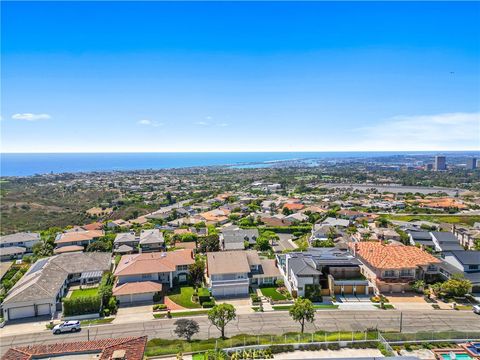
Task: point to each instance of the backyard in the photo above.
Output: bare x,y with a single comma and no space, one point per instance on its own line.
84,293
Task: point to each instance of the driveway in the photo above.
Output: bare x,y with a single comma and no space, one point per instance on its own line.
133,313
409,302
241,305
284,243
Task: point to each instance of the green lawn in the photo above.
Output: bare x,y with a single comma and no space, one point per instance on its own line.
84,293
158,347
96,321
316,307
438,218
272,293
181,314
183,297
385,306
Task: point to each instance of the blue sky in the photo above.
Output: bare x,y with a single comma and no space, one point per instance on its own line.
241,76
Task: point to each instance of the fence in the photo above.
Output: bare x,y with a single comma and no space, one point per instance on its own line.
341,339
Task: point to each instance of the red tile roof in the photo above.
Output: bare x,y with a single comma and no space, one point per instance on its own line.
137,287
149,263
134,349
382,256
294,206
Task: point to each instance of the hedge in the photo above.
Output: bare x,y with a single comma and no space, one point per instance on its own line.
282,229
82,305
208,304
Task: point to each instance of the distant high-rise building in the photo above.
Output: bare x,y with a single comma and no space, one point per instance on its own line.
440,163
429,167
471,163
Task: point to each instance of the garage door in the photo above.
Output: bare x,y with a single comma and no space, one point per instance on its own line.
125,299
43,309
230,291
21,312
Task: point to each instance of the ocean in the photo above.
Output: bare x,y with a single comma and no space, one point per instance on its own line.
26,164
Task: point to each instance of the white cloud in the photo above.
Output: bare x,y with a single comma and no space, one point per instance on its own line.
449,131
222,124
149,123
30,116
202,123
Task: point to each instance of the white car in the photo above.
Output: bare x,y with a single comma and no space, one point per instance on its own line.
67,326
476,309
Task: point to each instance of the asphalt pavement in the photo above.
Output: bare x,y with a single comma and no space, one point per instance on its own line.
264,323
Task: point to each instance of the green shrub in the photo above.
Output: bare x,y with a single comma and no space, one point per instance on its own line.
255,298
157,297
313,293
277,349
159,307
82,305
208,304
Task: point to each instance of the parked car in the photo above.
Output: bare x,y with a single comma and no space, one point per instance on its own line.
67,326
476,309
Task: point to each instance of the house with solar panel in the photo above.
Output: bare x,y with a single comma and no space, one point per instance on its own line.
40,290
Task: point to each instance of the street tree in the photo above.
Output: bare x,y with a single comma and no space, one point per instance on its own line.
302,311
221,315
186,328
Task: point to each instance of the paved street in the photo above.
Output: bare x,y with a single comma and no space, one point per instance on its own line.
265,323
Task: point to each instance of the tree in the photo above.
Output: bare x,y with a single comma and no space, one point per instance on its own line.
456,286
263,244
97,246
221,315
186,328
197,270
286,211
383,222
302,311
209,243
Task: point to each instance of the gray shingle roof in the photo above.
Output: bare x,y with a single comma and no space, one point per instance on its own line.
19,237
153,236
467,257
46,277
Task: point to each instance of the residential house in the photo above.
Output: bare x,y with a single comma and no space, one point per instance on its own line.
78,238
13,246
466,235
230,273
140,276
216,216
391,268
333,271
445,241
422,239
125,243
151,240
119,223
234,239
129,348
465,262
11,253
41,289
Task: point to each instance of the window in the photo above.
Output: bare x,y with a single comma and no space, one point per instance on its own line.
406,272
146,276
182,267
389,273
473,267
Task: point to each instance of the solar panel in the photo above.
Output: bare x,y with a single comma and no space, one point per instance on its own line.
38,265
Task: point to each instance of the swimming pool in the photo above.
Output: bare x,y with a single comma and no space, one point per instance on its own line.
457,356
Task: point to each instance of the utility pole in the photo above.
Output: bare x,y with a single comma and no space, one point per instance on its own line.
401,321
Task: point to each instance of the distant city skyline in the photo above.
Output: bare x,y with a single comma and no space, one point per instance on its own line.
240,76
